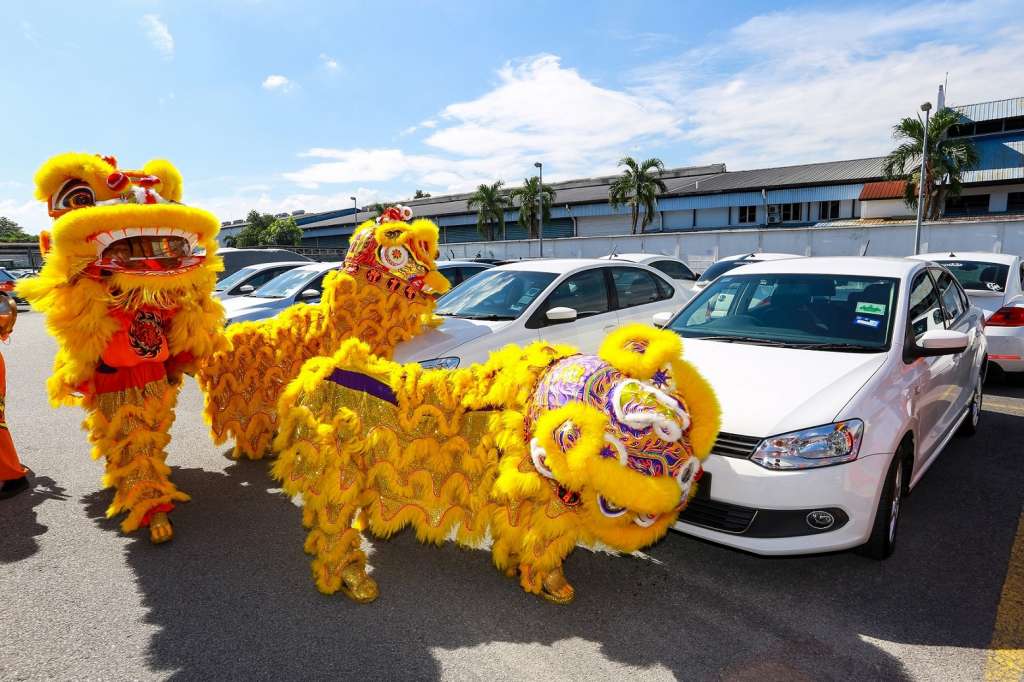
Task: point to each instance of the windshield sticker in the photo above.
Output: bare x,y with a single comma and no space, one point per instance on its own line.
993,286
870,308
516,308
866,321
524,300
531,292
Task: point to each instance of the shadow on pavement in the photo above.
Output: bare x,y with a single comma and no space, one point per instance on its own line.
233,597
19,526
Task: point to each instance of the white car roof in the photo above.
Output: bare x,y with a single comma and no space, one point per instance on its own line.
556,265
640,257
982,256
757,257
454,263
274,264
870,266
319,267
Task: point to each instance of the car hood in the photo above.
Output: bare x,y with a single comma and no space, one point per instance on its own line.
766,391
440,341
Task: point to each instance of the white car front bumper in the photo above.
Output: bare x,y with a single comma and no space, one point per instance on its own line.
765,512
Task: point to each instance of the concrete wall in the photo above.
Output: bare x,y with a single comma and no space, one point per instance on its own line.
884,208
702,248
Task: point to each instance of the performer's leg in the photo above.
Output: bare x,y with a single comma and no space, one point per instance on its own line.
130,428
13,479
339,561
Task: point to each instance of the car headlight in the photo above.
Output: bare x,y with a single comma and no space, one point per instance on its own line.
440,363
817,447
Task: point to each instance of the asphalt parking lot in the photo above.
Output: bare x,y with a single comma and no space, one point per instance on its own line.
231,596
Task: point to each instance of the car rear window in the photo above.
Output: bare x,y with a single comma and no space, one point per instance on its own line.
978,275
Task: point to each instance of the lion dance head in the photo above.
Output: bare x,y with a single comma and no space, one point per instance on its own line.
120,239
397,254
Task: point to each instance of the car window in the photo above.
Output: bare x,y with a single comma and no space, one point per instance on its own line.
285,284
470,270
317,284
978,275
585,292
925,310
800,310
260,278
1022,276
634,287
673,269
450,274
495,295
720,268
950,296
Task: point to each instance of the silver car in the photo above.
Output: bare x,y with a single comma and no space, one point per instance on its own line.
995,283
251,278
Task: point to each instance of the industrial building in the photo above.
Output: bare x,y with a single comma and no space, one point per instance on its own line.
713,198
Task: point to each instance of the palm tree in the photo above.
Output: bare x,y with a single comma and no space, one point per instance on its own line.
527,198
638,188
948,159
490,202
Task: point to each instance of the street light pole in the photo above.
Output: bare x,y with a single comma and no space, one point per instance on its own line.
355,210
926,107
540,205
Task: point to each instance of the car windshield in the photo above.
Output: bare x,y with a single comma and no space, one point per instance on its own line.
978,275
824,312
286,284
235,277
716,270
495,295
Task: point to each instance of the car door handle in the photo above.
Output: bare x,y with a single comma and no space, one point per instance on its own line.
609,327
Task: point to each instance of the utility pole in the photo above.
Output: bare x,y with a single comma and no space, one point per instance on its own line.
540,204
926,107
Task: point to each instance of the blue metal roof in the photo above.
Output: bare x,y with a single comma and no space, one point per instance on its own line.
991,111
1002,158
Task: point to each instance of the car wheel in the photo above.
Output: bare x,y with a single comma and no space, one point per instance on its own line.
887,516
969,426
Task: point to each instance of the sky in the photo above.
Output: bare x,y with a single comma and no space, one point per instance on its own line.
281,105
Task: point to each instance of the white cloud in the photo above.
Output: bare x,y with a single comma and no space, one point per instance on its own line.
30,214
277,83
28,32
538,110
263,199
816,86
159,35
329,62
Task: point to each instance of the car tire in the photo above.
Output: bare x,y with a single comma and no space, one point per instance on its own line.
882,542
969,426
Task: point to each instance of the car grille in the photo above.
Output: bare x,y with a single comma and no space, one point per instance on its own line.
732,445
728,518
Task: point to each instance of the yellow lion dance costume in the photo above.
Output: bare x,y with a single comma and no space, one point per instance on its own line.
384,295
128,295
534,452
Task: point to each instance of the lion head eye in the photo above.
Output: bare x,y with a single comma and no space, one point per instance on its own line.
74,194
393,234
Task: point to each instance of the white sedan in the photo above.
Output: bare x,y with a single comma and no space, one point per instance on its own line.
995,283
671,266
840,380
573,301
724,265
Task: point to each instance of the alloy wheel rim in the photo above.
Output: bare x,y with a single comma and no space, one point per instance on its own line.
897,494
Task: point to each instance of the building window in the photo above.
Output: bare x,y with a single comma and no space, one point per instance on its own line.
791,212
967,205
748,214
1015,202
828,210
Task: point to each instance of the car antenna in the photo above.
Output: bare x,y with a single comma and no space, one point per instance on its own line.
864,251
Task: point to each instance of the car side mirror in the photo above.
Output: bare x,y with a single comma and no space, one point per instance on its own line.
310,293
246,289
940,342
561,314
661,320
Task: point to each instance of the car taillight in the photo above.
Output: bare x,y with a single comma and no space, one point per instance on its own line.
6,285
1008,316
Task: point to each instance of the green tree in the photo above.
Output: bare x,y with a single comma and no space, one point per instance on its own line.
378,208
283,232
947,160
638,188
526,196
420,194
490,202
255,231
11,231
230,241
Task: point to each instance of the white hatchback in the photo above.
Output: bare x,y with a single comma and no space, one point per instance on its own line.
840,380
574,301
995,283
673,267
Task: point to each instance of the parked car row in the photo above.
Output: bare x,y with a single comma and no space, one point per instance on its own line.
841,379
